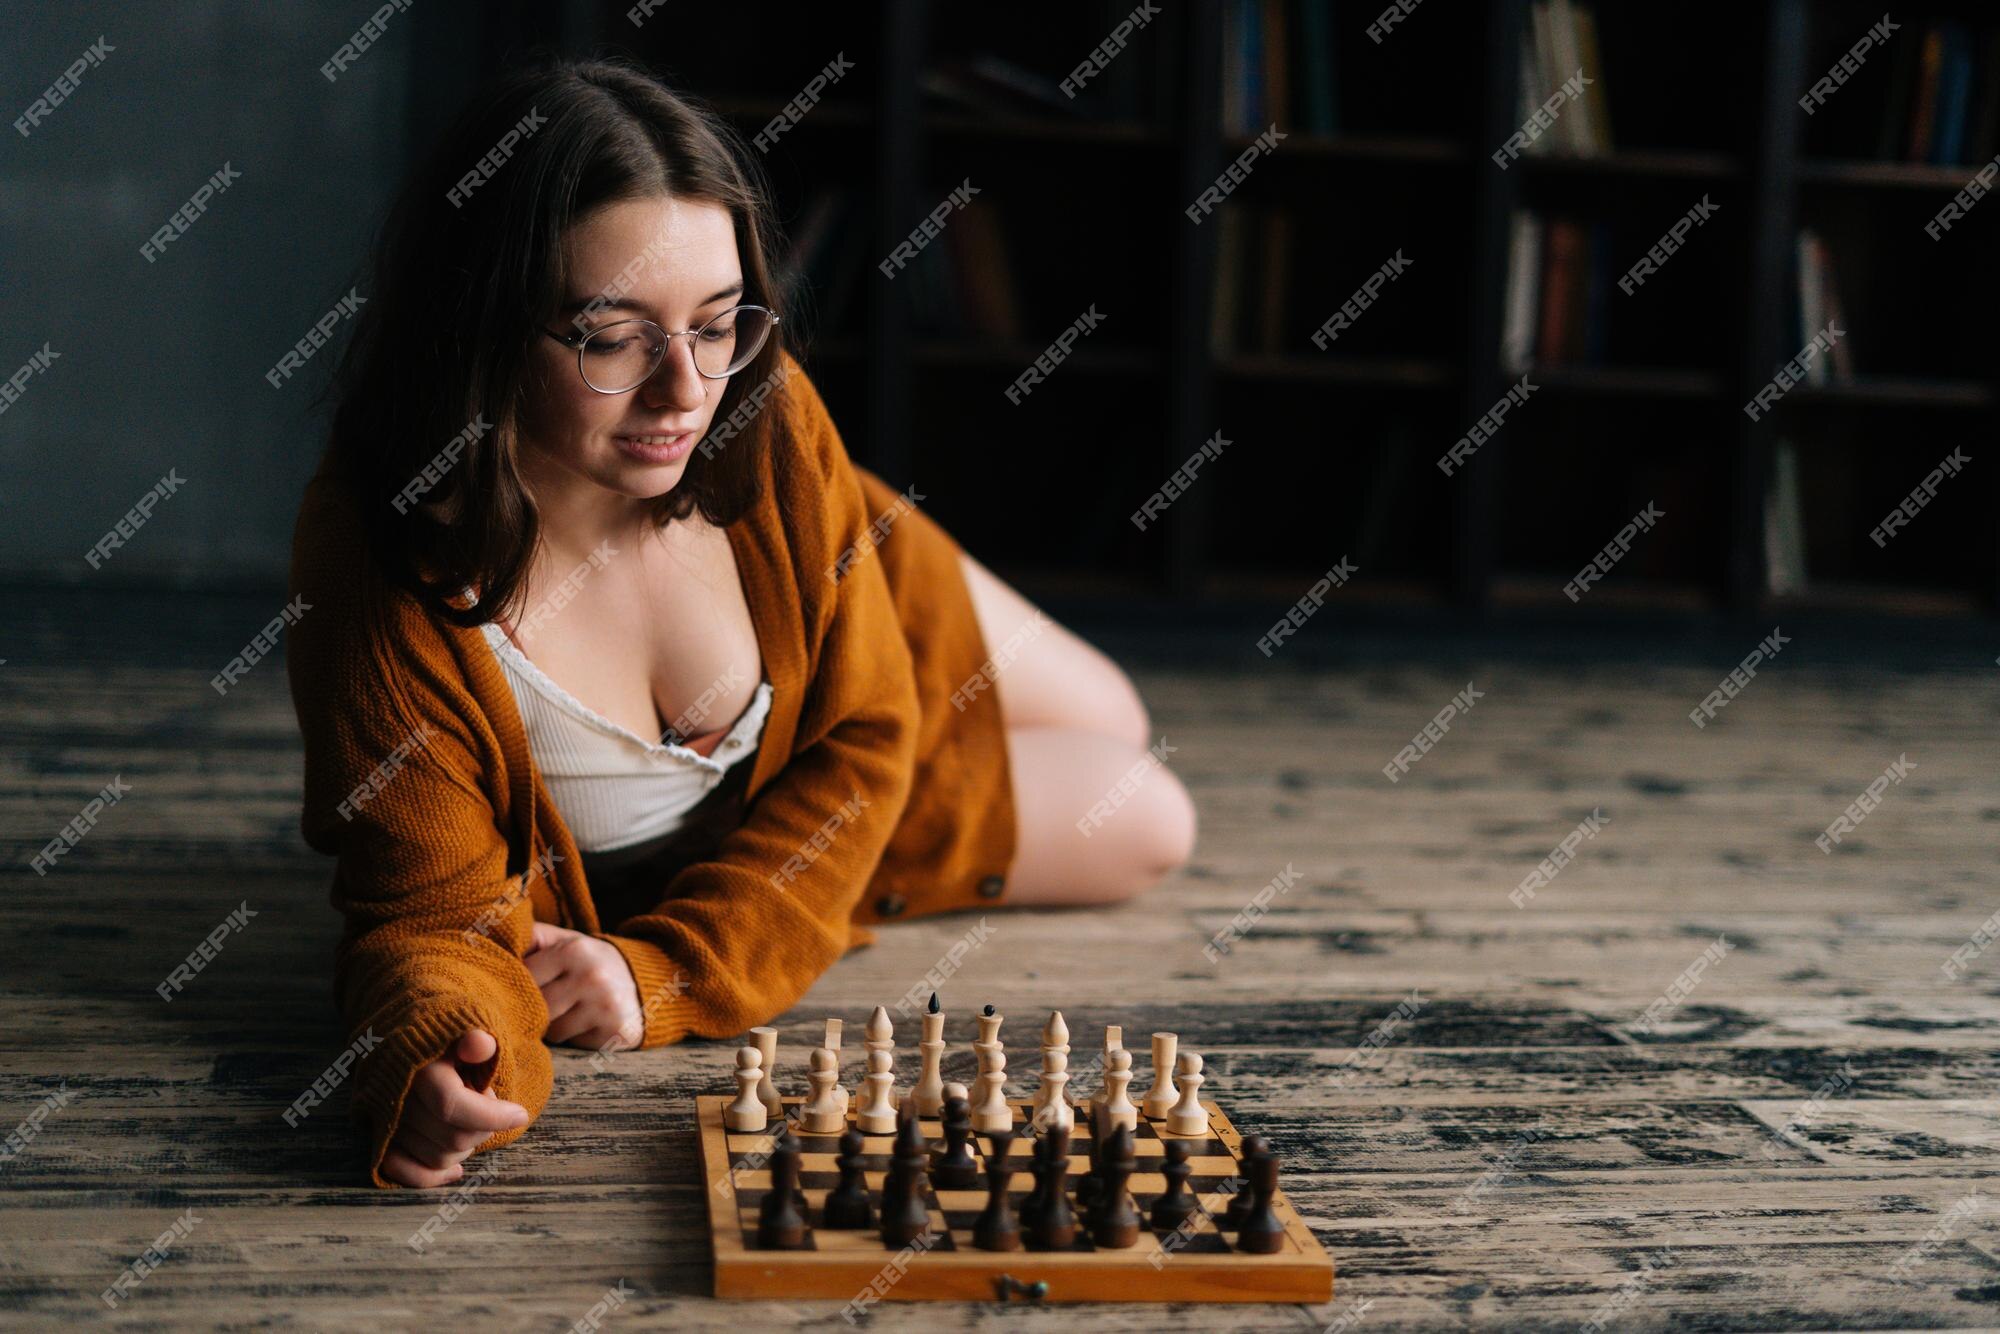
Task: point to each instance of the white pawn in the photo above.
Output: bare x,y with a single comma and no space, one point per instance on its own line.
1188,1117
1054,1111
832,1044
1117,1109
1164,1095
875,1114
747,1112
993,1112
1114,1040
765,1039
823,1113
880,1036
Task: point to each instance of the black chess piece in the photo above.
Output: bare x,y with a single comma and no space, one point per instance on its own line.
995,1229
905,1216
847,1203
1261,1231
1090,1185
1116,1223
955,1168
1254,1147
781,1224
1031,1203
1175,1206
1054,1228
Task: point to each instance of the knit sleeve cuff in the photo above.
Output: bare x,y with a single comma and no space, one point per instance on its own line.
426,1032
663,990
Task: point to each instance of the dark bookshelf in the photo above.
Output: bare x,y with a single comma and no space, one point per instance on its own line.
1334,450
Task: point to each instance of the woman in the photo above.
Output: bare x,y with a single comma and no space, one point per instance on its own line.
629,701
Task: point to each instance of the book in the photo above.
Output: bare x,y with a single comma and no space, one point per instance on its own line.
1593,68
1811,299
1573,124
1524,287
1954,95
1784,524
1318,68
1984,131
1229,278
1562,292
1277,80
1923,112
1893,124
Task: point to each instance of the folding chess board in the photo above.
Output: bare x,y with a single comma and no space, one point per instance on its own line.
1197,1263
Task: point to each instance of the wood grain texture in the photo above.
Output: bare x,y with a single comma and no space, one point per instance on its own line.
1516,1154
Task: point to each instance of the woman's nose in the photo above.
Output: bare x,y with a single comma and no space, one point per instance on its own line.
675,382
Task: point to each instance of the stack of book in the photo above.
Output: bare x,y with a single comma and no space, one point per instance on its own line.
1818,304
1253,273
1561,40
1939,101
1278,67
1560,272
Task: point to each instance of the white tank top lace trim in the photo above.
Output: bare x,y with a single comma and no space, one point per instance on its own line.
614,788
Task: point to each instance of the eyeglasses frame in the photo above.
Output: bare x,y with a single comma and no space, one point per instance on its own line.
577,340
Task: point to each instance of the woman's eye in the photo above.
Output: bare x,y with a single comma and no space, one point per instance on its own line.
607,347
715,334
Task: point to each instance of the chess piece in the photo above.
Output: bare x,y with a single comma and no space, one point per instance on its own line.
1055,1223
875,1114
1116,1222
995,1229
955,1168
1176,1205
823,1113
881,1036
747,1113
1161,1098
954,1089
929,1091
1114,1041
1052,1109
1254,1147
1091,1183
989,1026
1261,1231
1116,1109
1038,1176
847,1203
994,1113
832,1044
781,1225
789,1142
1188,1117
765,1039
1055,1038
905,1216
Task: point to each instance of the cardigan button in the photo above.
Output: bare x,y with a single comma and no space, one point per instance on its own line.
990,887
891,905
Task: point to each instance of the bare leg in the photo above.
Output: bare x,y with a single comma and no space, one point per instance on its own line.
1075,727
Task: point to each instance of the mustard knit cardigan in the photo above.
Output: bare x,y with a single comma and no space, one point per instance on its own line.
881,789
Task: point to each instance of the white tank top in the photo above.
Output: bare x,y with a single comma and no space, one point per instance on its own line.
613,787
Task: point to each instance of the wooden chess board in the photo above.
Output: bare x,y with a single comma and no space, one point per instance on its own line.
1199,1263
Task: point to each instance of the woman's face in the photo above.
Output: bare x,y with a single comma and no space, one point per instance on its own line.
637,443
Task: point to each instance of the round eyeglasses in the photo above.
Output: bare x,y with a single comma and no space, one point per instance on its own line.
623,355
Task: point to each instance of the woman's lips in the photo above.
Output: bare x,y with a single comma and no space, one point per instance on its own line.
654,448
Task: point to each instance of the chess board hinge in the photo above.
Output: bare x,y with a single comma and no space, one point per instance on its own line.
1006,1287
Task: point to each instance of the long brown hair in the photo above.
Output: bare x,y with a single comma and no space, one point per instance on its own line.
463,278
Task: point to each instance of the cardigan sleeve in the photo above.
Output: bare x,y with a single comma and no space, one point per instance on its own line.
434,927
741,935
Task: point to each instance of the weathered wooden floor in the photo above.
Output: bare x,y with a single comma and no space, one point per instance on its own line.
1514,1155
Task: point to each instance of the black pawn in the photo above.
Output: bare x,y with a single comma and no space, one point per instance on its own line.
1089,1186
905,1216
1117,1220
1038,1161
781,1224
1055,1222
1261,1231
1254,1147
847,1203
955,1167
1176,1205
995,1229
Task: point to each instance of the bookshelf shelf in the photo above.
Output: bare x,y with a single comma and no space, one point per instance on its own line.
1637,381
1414,373
1361,147
1082,133
1520,589
1884,175
1638,162
1012,357
1897,392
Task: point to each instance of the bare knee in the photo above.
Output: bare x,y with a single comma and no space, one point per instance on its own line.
1163,838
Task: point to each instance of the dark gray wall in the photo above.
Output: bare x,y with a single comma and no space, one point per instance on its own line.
162,364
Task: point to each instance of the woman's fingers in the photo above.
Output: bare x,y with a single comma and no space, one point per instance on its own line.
399,1167
545,966
427,1148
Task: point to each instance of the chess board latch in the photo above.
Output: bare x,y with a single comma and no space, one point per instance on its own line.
1007,1287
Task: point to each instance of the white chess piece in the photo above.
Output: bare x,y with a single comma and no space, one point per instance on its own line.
747,1112
929,1090
1164,1095
1117,1109
1055,1038
1114,1040
954,1089
993,1112
1055,1111
823,1113
881,1035
1188,1117
766,1041
875,1114
832,1044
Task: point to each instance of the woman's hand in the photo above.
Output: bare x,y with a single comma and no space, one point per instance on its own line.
593,1001
449,1112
